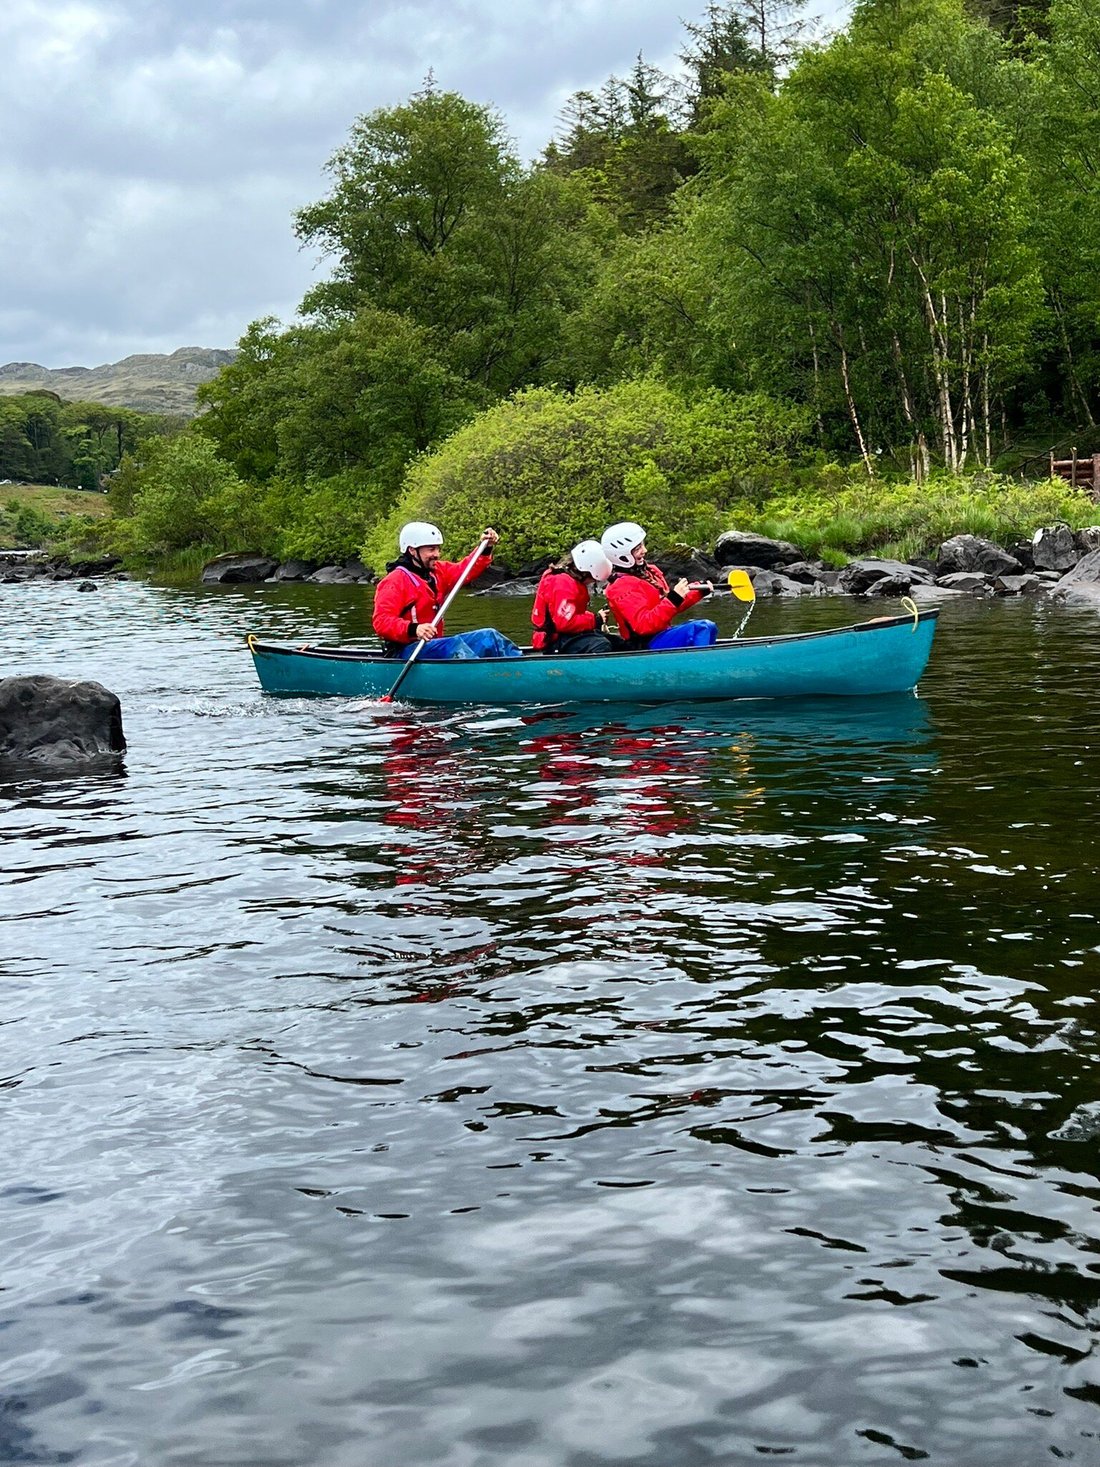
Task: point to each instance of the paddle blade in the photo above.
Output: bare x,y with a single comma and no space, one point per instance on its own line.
741,586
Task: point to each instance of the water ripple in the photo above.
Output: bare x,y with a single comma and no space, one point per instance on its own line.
659,1086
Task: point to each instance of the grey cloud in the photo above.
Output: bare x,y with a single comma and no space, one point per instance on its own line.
155,150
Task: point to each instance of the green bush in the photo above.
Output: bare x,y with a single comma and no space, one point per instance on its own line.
22,527
548,468
183,495
323,519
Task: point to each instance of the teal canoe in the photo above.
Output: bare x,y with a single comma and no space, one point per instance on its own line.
886,655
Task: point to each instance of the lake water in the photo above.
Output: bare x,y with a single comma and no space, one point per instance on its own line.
669,1087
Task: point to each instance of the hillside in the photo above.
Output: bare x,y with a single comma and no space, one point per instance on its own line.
150,382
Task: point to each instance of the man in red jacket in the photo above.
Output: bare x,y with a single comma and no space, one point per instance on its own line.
560,614
408,598
643,603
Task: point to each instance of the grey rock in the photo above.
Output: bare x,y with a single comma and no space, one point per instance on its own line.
922,593
1054,547
1087,540
771,583
972,582
1021,549
357,570
890,586
1081,585
238,568
1028,584
294,570
521,586
809,571
52,721
87,586
858,576
332,575
740,547
971,553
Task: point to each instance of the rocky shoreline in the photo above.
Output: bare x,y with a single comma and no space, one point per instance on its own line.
1057,562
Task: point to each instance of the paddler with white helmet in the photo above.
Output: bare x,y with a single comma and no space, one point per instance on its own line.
560,614
409,596
642,600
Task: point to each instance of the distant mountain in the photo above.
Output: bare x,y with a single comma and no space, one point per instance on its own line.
149,382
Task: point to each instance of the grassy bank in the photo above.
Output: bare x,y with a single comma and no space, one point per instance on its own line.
36,516
905,520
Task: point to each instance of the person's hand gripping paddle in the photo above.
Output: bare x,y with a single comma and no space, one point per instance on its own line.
437,618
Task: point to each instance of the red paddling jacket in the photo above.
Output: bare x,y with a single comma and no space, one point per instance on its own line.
643,604
560,609
407,598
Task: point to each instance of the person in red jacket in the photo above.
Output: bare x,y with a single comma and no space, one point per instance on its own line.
560,614
408,598
643,603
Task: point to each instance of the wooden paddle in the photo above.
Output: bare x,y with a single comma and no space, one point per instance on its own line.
744,590
436,619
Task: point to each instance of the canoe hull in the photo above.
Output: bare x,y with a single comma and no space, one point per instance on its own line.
886,656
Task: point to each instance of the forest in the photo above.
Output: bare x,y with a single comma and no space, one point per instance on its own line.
847,283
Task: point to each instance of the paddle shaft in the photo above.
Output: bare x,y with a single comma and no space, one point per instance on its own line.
437,618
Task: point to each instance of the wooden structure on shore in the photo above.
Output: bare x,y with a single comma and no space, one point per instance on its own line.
1081,473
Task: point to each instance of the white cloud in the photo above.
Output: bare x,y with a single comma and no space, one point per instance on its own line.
154,150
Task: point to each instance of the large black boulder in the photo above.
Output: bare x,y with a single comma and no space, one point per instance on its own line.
50,720
238,568
741,547
1054,547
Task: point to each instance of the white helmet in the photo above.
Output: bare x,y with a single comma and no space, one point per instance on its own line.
618,541
415,534
588,557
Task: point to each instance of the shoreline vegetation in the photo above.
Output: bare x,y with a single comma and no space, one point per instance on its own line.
803,290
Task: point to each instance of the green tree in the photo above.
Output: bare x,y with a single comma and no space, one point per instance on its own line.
183,496
1063,139
432,217
870,231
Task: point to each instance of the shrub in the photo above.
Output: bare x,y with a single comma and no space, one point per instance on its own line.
548,468
183,495
323,519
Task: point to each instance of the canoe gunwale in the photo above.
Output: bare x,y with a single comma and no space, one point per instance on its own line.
345,654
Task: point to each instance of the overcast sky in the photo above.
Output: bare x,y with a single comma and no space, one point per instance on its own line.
152,152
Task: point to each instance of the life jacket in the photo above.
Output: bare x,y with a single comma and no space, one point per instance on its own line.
643,604
560,609
407,597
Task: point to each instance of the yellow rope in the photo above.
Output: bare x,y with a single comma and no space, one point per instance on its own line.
911,605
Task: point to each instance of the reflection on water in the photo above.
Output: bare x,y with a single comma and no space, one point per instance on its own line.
665,1086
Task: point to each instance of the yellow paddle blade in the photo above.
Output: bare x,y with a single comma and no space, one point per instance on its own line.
741,586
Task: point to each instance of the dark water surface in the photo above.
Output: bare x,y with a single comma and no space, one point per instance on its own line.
665,1087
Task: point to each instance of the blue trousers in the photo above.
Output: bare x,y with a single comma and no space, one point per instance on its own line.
485,642
688,634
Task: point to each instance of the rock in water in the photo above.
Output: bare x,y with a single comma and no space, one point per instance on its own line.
1081,585
49,720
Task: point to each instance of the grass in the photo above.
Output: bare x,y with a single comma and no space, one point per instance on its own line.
903,520
34,516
